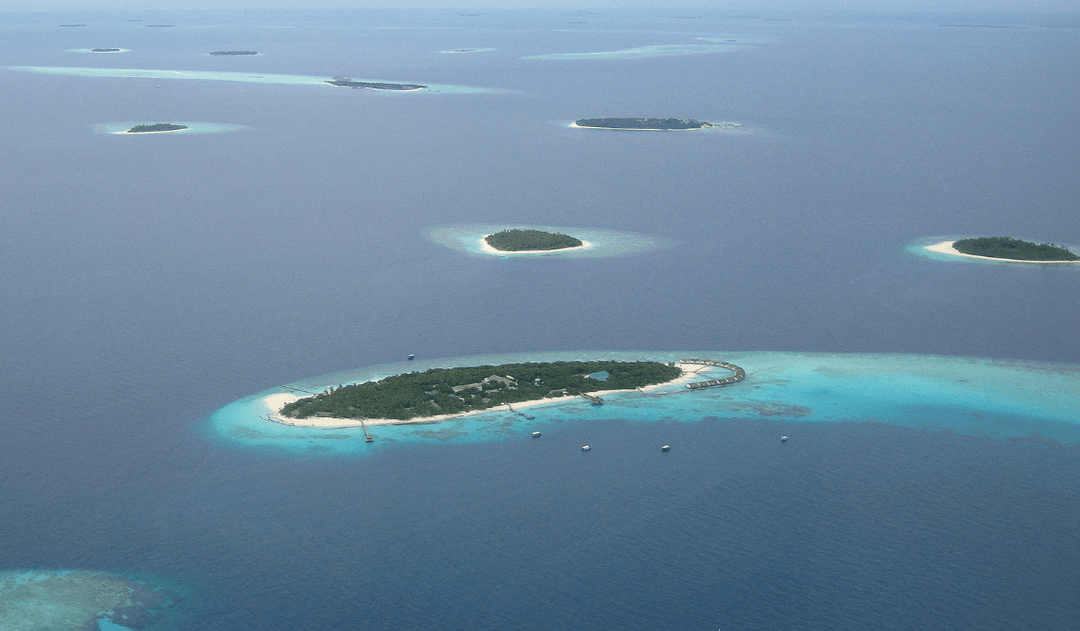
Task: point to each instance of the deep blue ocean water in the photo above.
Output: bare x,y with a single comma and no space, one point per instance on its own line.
148,282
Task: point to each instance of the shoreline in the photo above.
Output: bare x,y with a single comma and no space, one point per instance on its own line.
946,247
574,125
275,402
491,250
145,133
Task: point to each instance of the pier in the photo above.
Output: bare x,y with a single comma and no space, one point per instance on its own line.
738,374
592,399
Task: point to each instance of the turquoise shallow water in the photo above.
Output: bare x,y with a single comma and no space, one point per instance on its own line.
972,396
709,45
242,77
603,243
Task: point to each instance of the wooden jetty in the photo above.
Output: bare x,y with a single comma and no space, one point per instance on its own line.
738,374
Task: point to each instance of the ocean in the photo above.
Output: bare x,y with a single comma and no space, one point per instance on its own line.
303,234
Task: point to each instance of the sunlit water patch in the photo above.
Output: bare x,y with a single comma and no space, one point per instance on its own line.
241,77
601,242
972,396
192,128
77,600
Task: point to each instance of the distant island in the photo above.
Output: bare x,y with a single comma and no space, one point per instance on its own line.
663,124
70,25
160,25
346,82
516,240
156,127
1014,250
442,392
235,52
104,50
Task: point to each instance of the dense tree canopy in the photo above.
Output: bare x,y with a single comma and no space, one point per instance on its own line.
515,240
1014,249
142,129
456,390
346,82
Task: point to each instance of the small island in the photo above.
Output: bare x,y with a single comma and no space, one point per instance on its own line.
444,392
104,50
643,124
235,52
516,240
345,82
1006,249
155,128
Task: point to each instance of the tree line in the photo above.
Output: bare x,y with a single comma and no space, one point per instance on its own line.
432,392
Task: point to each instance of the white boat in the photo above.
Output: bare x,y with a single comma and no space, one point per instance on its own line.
585,448
783,439
536,434
666,448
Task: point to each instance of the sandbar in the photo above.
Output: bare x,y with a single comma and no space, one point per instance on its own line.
275,402
946,247
491,250
708,126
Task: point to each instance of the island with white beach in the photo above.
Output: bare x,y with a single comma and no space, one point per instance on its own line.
1005,249
155,128
446,393
527,241
642,124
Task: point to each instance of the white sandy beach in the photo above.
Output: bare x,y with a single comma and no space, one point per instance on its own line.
574,125
275,402
946,247
147,133
487,248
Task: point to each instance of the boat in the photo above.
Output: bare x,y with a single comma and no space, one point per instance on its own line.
536,434
783,439
369,438
411,357
585,448
666,448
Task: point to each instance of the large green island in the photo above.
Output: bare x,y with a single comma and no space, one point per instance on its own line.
1014,250
442,392
640,124
345,82
517,240
155,128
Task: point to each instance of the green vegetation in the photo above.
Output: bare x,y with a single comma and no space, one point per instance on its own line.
235,52
142,129
520,240
104,50
346,82
457,390
643,123
1014,249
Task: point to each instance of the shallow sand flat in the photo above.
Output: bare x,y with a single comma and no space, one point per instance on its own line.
487,248
576,126
275,402
946,247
